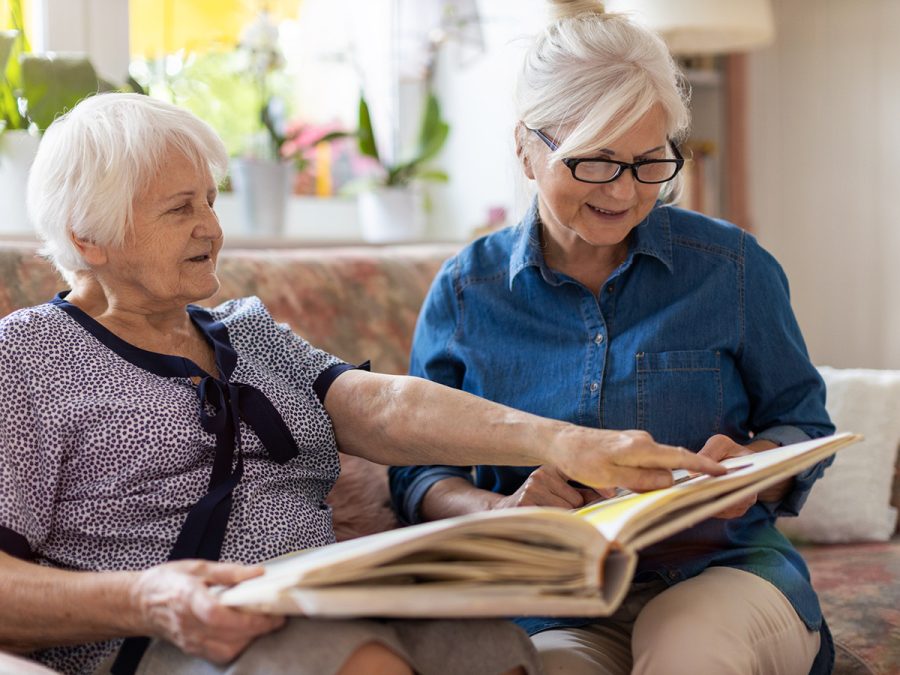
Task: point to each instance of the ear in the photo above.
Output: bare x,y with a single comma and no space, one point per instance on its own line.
520,135
92,253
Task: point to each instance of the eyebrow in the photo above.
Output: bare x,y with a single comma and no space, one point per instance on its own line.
186,193
178,195
607,151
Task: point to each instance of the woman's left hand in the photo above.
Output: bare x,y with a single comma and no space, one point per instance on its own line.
721,447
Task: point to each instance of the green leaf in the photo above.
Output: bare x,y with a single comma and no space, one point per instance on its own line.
275,135
400,174
434,130
366,134
435,175
10,89
51,85
431,117
332,136
10,79
435,142
133,85
17,22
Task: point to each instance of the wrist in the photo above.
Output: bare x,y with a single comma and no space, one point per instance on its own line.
135,617
455,497
556,446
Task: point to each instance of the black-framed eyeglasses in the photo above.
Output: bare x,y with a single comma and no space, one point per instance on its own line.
597,170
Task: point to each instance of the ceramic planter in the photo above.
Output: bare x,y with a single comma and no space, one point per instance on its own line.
392,214
263,187
17,151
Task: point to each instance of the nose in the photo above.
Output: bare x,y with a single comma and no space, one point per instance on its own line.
207,226
624,187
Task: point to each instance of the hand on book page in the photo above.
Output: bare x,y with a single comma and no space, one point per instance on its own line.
721,447
632,459
546,486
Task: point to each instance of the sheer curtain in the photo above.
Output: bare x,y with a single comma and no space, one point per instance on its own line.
396,44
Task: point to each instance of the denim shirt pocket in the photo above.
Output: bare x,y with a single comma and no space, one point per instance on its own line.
679,396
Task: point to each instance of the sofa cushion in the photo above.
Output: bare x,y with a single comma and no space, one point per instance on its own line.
852,502
356,303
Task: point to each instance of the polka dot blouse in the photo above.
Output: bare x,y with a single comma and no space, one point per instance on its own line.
105,448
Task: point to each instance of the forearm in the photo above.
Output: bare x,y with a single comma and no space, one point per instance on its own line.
406,420
45,607
456,497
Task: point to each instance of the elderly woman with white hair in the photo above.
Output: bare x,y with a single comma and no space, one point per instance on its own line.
610,308
145,439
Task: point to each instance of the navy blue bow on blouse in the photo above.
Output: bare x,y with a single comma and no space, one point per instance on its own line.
223,405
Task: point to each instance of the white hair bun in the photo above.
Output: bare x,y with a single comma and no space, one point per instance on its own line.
569,9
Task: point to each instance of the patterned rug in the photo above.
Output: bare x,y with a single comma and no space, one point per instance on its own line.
859,586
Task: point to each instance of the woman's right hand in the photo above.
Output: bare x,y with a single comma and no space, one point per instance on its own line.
174,603
629,459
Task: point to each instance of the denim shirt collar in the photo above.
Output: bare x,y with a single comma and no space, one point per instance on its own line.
652,237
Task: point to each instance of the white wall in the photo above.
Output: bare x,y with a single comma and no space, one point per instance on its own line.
824,140
477,101
98,28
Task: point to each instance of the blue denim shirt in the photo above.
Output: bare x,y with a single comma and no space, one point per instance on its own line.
692,335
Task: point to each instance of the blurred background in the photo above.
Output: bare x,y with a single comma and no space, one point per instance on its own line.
336,112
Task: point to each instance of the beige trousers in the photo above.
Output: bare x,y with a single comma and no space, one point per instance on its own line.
721,622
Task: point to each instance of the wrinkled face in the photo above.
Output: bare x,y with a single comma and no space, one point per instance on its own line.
598,215
169,258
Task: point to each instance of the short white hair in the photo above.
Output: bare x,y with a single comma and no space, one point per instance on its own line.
598,74
94,161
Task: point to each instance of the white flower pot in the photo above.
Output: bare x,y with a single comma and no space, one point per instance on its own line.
17,151
392,214
263,187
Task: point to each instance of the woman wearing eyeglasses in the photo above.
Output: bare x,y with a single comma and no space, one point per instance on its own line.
609,307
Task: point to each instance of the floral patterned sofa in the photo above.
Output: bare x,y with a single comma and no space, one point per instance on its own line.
362,303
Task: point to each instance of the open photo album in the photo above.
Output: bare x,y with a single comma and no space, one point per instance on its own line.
516,562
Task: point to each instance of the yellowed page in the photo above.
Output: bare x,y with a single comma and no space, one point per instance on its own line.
621,518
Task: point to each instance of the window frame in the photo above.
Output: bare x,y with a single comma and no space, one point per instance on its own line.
97,28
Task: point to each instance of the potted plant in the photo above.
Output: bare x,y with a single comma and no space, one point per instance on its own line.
261,177
34,90
392,208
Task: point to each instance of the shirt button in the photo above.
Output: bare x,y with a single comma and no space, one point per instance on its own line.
594,386
673,575
598,338
611,288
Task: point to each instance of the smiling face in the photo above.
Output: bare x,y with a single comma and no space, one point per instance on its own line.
597,218
169,258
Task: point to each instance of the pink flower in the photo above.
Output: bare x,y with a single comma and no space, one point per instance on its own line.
302,137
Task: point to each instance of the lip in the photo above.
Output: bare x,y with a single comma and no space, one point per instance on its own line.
203,257
606,213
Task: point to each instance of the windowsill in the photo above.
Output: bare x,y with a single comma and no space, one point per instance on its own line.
310,221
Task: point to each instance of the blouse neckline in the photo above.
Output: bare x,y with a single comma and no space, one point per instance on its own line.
163,365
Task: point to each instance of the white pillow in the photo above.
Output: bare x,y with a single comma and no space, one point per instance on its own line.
852,501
